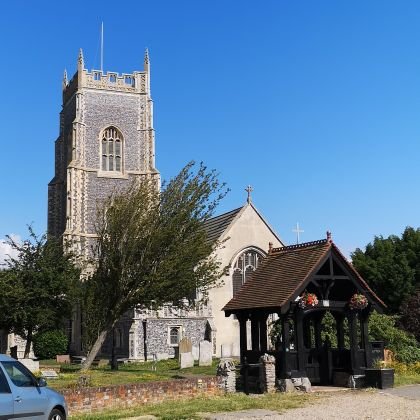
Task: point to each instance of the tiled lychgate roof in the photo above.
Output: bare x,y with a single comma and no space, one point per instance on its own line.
217,225
278,276
282,273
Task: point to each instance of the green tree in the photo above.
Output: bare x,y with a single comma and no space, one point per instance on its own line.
410,315
383,328
37,287
410,246
391,266
151,249
47,344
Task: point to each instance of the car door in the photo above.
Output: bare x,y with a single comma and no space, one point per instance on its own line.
6,397
29,400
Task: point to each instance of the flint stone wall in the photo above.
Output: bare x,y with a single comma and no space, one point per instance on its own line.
267,373
157,335
87,400
295,384
226,372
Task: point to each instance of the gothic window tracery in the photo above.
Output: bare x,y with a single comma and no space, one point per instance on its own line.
244,266
174,335
111,150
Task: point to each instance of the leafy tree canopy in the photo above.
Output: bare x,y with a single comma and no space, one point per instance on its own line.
391,266
410,315
37,287
151,249
383,328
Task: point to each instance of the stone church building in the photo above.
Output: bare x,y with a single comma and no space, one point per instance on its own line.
107,139
247,236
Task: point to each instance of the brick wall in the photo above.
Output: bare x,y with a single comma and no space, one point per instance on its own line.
85,400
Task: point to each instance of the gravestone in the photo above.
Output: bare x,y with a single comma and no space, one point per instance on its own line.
62,358
226,351
162,356
186,358
206,353
185,345
32,365
196,352
236,352
49,374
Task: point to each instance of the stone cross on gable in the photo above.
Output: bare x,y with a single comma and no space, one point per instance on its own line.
298,231
249,190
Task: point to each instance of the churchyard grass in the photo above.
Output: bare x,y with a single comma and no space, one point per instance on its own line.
127,373
406,379
189,409
169,369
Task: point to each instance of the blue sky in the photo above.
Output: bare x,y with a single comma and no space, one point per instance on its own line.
316,104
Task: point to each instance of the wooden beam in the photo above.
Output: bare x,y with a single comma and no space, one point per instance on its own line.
263,333
365,339
353,343
326,277
242,336
331,265
255,332
339,320
299,340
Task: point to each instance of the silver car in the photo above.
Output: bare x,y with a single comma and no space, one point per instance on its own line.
23,396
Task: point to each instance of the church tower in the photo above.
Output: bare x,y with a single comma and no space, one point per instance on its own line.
106,140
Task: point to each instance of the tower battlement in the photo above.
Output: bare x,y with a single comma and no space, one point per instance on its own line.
106,140
136,82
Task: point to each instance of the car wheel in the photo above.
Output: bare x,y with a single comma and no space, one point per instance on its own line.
56,415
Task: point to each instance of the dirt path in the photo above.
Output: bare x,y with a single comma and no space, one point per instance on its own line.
350,405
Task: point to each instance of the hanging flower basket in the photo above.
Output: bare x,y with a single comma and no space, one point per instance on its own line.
307,300
358,301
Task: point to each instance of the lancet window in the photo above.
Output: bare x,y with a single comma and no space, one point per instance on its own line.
174,335
111,150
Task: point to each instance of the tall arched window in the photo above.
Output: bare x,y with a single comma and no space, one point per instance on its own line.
111,150
244,266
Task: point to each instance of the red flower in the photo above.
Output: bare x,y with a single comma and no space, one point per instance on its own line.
308,299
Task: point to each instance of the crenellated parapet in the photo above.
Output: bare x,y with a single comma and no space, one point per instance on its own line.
128,83
136,82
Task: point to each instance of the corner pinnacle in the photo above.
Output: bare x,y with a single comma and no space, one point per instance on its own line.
65,80
81,60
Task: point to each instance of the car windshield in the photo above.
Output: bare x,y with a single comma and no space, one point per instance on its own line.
19,374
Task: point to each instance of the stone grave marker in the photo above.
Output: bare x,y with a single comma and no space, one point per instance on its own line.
196,352
63,358
186,358
32,365
185,345
206,353
226,351
49,374
236,351
162,356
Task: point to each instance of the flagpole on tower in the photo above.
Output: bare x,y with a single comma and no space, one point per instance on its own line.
102,46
